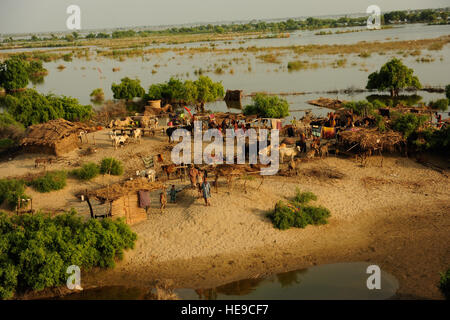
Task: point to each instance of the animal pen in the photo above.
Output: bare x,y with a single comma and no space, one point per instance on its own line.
129,200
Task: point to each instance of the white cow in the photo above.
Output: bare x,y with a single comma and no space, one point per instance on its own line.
137,134
288,152
118,140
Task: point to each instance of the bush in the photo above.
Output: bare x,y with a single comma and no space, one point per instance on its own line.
87,171
55,180
447,91
407,123
444,284
268,106
111,166
441,104
361,108
297,214
10,128
36,250
30,107
304,197
10,191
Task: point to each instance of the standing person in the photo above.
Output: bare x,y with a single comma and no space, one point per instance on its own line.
199,182
193,176
162,200
173,194
206,189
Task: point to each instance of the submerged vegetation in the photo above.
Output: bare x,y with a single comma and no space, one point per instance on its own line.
297,213
38,249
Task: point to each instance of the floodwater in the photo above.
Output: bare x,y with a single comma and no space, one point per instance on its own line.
244,70
338,281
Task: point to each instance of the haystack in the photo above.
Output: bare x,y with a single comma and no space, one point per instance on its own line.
371,139
53,137
124,200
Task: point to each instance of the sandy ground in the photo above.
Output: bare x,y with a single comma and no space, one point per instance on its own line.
396,216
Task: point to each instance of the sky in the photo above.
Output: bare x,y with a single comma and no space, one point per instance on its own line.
27,16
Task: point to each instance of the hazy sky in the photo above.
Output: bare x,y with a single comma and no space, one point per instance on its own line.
18,16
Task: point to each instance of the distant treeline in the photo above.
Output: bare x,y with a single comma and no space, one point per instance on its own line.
431,16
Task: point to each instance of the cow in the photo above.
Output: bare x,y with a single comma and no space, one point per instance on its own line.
121,123
118,140
137,135
288,152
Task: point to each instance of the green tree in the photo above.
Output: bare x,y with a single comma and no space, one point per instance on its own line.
208,91
393,76
447,91
268,106
128,89
14,74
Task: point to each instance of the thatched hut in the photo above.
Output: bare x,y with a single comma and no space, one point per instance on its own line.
53,137
127,200
371,139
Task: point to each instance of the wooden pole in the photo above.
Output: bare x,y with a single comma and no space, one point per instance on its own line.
89,204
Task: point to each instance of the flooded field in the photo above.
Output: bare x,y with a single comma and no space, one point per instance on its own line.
255,71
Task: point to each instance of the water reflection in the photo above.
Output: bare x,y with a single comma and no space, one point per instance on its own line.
338,281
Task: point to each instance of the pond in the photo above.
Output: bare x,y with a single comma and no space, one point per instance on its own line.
338,281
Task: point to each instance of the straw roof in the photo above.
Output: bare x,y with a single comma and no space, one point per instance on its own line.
118,190
51,132
371,138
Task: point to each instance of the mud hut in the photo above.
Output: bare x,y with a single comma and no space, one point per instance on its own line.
53,137
128,200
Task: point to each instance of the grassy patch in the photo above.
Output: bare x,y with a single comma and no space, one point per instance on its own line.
51,181
87,172
297,213
111,166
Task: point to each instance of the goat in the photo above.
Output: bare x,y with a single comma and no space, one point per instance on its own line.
324,150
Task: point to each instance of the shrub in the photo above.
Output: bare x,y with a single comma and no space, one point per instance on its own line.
36,250
304,197
11,190
111,166
407,123
444,284
97,95
441,104
55,180
10,128
361,108
268,106
87,171
447,91
297,213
